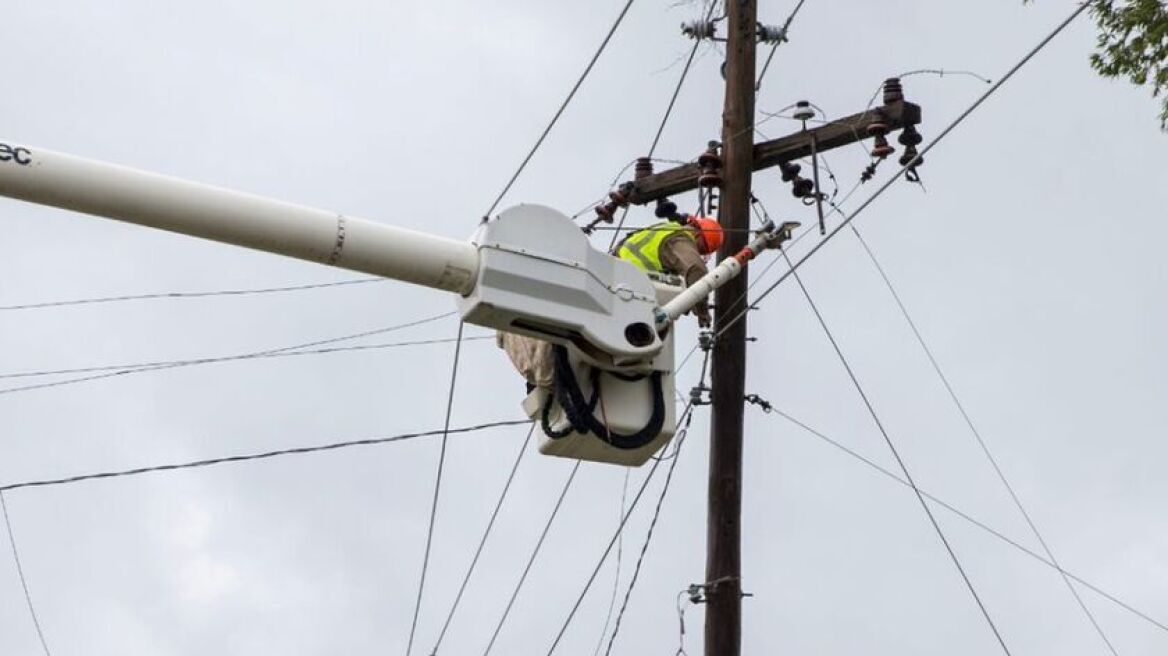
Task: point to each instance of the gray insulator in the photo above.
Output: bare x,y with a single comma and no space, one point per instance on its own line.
771,34
699,29
803,111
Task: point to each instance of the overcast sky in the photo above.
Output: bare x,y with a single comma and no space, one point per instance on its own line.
1033,266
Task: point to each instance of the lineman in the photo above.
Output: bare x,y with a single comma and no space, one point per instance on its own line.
665,247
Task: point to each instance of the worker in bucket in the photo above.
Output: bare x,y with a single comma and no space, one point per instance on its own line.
668,247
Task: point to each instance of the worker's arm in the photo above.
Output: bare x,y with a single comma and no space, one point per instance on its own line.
679,254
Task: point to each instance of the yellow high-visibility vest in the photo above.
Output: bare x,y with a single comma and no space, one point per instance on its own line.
643,247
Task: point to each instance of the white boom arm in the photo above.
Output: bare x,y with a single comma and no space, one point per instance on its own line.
158,201
530,270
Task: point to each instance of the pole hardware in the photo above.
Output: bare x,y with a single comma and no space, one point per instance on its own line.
772,35
702,29
698,593
755,399
698,394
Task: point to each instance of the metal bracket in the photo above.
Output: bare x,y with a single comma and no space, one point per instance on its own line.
755,399
699,592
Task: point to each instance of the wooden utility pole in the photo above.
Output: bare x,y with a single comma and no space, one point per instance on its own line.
723,635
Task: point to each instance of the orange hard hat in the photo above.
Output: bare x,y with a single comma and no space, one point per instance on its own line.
710,231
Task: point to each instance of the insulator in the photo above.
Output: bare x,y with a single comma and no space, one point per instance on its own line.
881,149
709,159
618,197
910,137
803,111
802,188
666,209
643,169
877,129
699,29
709,180
790,171
771,34
605,212
869,172
893,92
910,154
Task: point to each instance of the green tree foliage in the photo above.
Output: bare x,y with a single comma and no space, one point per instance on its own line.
1133,44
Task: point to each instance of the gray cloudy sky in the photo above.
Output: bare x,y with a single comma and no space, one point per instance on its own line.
1032,264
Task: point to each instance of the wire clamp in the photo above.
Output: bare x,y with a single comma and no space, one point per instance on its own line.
699,593
755,399
697,395
706,340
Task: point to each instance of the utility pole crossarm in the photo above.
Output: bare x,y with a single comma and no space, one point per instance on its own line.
833,134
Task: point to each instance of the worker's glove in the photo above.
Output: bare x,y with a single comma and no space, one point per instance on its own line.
703,315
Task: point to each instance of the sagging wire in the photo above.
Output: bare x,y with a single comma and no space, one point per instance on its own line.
930,71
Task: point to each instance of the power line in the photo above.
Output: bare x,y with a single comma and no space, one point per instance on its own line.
483,541
437,487
608,549
903,169
23,581
656,514
531,560
560,111
665,119
981,442
255,354
183,295
254,456
620,555
774,48
231,358
975,522
903,467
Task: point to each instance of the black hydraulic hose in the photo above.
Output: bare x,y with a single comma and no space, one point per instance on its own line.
581,414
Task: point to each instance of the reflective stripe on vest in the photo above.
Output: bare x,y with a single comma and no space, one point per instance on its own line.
643,248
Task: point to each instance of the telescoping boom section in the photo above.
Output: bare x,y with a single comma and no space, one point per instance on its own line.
529,271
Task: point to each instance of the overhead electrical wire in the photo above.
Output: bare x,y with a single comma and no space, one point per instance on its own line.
36,622
665,118
182,295
437,487
531,559
980,440
483,541
975,522
232,358
48,482
904,169
254,354
608,549
620,556
900,461
571,94
680,439
775,47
